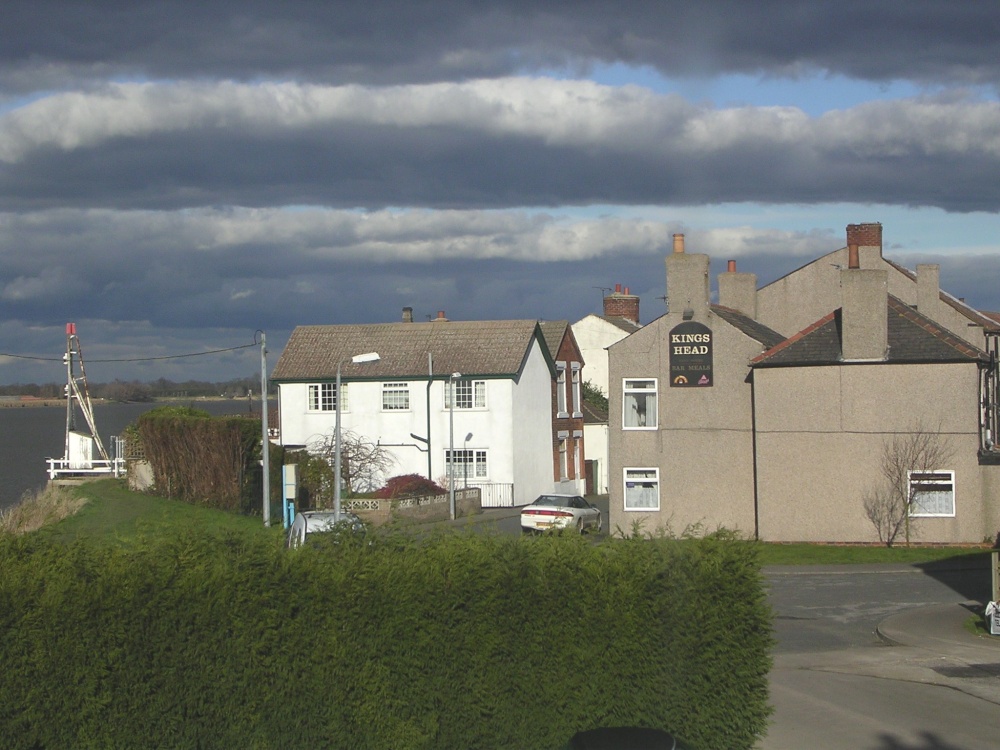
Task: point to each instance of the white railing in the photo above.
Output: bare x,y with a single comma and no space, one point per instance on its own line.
61,467
113,467
495,494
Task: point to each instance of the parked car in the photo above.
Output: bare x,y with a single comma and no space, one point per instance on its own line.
561,512
316,521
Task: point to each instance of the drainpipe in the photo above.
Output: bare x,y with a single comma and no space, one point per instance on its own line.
753,441
430,381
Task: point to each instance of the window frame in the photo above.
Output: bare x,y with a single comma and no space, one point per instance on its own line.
563,456
321,398
577,390
625,487
477,395
562,409
652,393
942,477
480,459
395,389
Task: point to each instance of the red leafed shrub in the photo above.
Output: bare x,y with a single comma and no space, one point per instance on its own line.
409,485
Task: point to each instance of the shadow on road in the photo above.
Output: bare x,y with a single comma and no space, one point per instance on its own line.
968,575
927,741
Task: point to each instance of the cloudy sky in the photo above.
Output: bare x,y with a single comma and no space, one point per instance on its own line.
175,176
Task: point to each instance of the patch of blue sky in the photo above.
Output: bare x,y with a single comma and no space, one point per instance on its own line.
906,230
814,94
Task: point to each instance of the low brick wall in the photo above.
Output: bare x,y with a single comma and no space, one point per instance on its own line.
418,509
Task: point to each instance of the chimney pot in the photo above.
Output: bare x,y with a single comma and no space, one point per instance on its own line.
731,266
622,305
678,243
865,235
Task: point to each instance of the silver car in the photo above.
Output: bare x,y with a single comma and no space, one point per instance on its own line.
554,511
316,521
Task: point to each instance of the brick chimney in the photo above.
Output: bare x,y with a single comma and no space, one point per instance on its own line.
738,290
407,314
440,317
687,282
864,313
867,238
621,304
928,289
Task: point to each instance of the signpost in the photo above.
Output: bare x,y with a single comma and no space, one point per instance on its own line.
691,356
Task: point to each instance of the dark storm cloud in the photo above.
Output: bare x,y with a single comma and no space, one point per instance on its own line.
508,142
176,175
382,42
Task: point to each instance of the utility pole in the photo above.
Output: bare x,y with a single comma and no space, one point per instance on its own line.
265,445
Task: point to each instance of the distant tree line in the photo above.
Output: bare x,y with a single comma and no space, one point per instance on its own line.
133,390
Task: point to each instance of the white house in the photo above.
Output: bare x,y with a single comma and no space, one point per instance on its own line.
499,432
594,334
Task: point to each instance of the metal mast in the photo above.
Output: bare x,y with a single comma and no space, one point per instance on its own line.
76,389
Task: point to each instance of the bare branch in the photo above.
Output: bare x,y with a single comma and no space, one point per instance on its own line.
889,505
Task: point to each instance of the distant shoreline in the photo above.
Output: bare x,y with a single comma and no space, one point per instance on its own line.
19,403
22,402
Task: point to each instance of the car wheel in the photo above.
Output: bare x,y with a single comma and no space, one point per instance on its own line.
600,523
579,525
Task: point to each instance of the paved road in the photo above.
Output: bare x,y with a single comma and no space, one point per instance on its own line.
925,684
837,684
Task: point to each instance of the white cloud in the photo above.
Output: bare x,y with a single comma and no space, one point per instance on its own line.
576,114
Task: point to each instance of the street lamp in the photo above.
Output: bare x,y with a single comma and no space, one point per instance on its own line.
465,460
451,448
356,359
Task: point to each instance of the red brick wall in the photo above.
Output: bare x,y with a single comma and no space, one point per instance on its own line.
617,305
568,354
864,234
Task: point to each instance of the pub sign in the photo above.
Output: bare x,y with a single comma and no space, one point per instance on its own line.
690,356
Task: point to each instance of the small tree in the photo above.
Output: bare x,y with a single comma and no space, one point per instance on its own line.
364,463
593,394
889,504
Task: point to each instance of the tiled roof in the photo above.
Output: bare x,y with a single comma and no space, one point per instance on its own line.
626,324
749,326
593,414
986,320
553,332
912,338
496,348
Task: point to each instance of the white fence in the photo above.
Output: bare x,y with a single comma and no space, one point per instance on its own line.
495,495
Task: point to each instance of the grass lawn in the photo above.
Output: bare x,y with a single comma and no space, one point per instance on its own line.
834,554
116,514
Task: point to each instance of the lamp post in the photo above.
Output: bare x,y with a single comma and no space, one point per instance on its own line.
451,445
356,359
465,462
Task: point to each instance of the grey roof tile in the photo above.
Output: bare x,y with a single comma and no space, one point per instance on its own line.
752,328
474,348
912,338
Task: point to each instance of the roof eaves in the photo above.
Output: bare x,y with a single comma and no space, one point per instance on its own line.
760,358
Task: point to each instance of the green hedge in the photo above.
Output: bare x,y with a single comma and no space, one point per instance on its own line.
202,459
460,641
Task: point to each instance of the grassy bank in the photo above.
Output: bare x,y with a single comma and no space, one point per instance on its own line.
110,512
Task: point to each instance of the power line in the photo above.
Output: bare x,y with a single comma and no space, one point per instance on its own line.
135,359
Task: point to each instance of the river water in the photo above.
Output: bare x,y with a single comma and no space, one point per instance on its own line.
31,434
